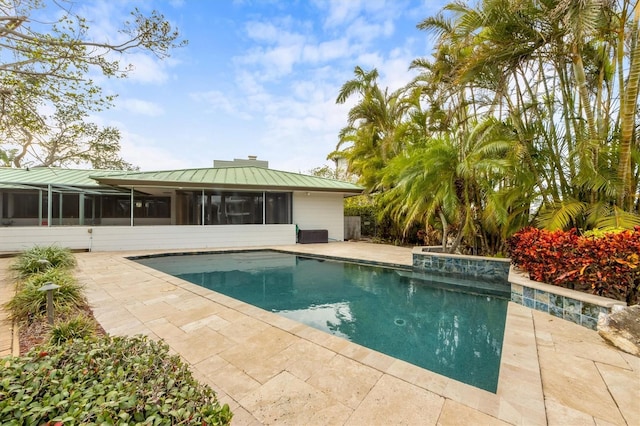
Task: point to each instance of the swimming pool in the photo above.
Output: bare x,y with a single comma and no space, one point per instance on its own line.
425,320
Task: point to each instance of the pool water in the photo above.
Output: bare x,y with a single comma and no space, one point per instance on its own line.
424,320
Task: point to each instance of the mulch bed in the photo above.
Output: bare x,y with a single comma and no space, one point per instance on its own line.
36,331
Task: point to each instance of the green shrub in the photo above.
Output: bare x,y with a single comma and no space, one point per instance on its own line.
77,327
111,380
599,233
38,259
30,302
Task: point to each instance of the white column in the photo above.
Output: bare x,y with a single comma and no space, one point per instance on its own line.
49,205
81,209
132,206
202,212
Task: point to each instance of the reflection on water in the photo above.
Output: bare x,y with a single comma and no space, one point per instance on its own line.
421,321
325,317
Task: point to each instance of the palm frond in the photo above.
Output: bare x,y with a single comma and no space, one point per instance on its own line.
561,215
617,219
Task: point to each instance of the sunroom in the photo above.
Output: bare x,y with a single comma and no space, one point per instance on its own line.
270,202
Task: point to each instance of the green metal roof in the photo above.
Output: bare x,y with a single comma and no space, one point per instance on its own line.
42,176
229,177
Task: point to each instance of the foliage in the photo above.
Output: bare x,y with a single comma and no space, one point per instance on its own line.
607,265
77,327
46,90
323,172
40,258
525,113
375,222
111,380
364,207
29,302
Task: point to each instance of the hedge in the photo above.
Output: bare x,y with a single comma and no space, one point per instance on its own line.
111,380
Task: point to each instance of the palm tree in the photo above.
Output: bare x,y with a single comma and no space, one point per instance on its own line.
458,178
524,62
375,130
527,112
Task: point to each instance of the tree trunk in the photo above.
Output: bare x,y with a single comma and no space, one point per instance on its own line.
628,112
445,231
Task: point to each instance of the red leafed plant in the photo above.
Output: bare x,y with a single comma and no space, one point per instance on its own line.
606,265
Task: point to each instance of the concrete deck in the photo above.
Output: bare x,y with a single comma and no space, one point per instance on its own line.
272,370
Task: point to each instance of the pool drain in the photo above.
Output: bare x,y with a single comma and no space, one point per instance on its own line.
399,321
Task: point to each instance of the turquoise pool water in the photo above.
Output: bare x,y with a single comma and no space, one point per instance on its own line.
425,320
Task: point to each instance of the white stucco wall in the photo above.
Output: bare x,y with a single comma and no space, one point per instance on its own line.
115,238
319,210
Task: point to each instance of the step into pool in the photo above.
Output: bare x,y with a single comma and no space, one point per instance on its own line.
450,326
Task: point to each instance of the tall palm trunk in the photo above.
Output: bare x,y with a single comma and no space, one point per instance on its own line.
628,112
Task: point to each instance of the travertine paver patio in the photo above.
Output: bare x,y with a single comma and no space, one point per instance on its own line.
272,370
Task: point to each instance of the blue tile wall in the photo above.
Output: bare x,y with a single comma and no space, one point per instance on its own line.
585,314
581,313
493,270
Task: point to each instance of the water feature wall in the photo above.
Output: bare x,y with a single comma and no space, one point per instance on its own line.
484,268
571,305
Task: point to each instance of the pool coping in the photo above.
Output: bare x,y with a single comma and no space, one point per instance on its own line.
505,404
402,391
277,250
431,381
393,266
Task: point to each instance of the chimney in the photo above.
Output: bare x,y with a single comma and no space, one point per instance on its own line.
252,161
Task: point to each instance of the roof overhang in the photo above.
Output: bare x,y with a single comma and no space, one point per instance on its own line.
57,188
181,185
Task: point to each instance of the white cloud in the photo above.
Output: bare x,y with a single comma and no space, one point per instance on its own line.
143,151
146,69
139,106
394,71
367,31
218,101
278,48
341,12
303,123
326,51
146,154
369,60
283,46
267,32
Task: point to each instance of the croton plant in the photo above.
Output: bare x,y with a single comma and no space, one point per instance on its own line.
605,264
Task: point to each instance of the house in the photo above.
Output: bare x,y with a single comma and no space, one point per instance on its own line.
239,203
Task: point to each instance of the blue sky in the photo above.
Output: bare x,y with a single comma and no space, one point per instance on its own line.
257,78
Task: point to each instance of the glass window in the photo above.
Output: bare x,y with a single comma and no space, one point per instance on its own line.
234,208
70,206
116,206
242,207
20,205
152,207
278,208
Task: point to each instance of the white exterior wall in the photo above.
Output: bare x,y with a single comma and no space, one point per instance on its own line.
17,238
115,238
320,210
